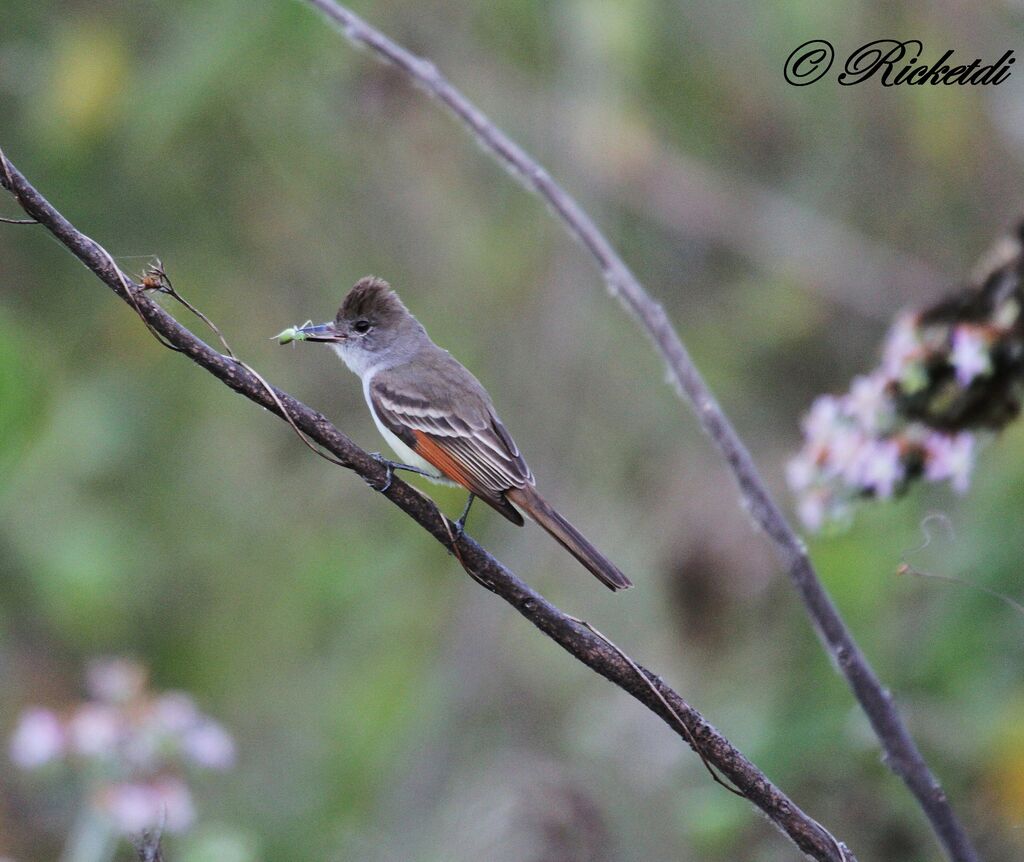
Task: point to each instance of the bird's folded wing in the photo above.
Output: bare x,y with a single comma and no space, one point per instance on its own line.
469,445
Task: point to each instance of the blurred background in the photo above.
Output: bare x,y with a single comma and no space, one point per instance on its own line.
382,706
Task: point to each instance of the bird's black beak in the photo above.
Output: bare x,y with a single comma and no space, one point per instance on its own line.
327,332
322,332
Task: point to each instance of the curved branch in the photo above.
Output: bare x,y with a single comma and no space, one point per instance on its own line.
575,636
901,753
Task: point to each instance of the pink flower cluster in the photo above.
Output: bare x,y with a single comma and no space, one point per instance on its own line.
862,444
132,744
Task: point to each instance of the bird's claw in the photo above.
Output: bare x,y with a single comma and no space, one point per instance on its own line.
389,465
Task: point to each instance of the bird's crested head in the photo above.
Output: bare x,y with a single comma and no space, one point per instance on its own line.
372,300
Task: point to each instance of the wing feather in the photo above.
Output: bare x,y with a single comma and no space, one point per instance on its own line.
475,449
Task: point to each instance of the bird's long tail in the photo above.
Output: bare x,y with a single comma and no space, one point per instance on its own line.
568,537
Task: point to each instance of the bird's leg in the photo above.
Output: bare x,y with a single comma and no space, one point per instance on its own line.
392,466
460,525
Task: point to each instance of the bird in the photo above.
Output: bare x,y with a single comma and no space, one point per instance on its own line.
438,418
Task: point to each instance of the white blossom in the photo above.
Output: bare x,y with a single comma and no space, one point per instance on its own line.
949,457
970,355
115,680
94,730
38,739
209,745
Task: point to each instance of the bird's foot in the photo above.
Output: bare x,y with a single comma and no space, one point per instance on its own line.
394,466
390,465
460,525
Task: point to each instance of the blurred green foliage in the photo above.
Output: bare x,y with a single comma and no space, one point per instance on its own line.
384,706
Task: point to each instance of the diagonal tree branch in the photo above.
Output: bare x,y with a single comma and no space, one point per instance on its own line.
575,636
901,753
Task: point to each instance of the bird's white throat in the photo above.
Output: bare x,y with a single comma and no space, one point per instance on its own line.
360,362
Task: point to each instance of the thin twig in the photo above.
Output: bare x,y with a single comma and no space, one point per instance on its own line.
678,718
901,753
130,292
680,724
904,568
593,651
155,278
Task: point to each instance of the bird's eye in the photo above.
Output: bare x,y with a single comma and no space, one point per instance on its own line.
361,326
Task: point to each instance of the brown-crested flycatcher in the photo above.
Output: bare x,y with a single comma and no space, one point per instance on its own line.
437,417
